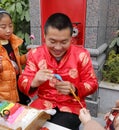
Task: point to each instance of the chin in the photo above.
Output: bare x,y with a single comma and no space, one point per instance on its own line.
57,56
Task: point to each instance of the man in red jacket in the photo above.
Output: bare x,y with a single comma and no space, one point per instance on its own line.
72,62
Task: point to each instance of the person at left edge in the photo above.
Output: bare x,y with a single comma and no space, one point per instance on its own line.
10,61
58,56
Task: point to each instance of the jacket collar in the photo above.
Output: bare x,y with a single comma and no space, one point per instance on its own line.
15,41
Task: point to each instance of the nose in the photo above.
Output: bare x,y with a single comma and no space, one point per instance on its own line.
58,46
8,30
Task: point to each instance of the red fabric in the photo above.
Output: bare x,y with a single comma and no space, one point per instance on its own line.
109,122
76,67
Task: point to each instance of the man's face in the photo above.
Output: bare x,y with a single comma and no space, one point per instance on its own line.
58,41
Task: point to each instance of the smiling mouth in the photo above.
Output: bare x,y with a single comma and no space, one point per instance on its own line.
57,53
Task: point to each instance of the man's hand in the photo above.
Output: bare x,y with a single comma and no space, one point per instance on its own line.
84,116
41,77
64,87
117,103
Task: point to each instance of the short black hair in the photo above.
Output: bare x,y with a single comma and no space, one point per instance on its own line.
2,12
59,21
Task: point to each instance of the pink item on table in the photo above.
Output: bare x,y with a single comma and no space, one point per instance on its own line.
12,117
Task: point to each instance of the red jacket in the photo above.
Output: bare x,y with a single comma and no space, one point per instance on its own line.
76,67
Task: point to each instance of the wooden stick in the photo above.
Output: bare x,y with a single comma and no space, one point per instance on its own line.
76,97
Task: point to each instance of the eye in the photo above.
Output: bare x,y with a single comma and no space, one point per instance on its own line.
11,25
52,42
2,26
64,42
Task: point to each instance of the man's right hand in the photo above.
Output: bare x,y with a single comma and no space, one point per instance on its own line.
41,77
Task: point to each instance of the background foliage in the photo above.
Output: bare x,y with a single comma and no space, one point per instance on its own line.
19,10
111,68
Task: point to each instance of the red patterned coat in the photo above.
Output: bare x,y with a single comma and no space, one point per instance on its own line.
75,66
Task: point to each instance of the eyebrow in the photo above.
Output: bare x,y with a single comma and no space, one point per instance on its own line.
57,40
4,24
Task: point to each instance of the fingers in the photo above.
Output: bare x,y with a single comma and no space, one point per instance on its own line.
84,115
63,91
46,71
117,103
106,116
84,111
63,87
44,75
41,77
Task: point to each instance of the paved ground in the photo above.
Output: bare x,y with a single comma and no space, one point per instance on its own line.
99,119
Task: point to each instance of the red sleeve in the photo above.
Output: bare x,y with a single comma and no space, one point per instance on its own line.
88,82
25,79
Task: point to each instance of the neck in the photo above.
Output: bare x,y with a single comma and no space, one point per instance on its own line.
58,59
4,42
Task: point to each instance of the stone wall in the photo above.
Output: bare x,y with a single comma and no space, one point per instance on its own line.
35,22
102,20
108,94
96,23
112,20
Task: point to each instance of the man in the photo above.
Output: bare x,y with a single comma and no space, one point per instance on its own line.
72,62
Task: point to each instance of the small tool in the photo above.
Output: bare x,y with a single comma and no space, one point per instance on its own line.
76,97
57,76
